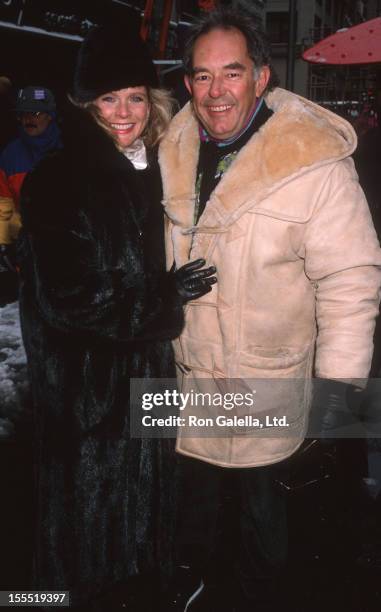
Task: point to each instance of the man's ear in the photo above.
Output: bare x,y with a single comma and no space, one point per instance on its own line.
188,83
261,82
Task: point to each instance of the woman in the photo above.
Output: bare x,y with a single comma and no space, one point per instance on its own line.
97,309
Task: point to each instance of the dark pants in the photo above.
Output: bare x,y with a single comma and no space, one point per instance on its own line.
233,523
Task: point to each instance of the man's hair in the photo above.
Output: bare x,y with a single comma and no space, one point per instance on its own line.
258,45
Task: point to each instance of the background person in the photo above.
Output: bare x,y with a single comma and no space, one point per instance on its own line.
279,212
98,308
38,134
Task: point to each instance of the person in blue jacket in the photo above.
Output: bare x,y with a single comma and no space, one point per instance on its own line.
38,134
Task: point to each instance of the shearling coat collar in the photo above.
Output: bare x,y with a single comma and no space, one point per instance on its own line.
299,137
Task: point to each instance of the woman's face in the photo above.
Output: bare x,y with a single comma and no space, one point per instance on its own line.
125,112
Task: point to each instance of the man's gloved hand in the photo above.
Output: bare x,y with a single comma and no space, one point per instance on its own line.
7,258
333,411
192,282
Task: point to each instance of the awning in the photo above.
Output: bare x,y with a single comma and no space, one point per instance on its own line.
360,44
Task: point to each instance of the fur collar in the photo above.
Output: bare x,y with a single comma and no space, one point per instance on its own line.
299,137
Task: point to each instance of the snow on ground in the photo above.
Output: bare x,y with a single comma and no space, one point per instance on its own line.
13,373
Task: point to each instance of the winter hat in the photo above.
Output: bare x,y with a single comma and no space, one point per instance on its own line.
111,57
35,99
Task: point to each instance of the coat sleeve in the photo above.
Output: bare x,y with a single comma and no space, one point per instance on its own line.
343,259
76,289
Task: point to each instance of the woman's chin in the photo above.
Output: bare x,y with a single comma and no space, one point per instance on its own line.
126,140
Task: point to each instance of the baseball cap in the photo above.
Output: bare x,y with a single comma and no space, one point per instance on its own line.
35,99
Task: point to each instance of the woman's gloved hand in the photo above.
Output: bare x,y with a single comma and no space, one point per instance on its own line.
191,281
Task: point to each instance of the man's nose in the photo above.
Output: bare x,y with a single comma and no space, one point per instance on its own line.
217,87
26,118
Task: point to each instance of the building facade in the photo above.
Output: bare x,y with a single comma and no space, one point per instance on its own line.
314,20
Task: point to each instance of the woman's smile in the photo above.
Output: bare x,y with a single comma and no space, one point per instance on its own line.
126,112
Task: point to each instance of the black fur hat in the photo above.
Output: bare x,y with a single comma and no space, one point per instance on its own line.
110,58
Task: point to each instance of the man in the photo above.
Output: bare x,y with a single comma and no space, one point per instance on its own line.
259,182
38,134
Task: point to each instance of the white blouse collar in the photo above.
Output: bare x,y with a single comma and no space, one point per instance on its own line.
137,154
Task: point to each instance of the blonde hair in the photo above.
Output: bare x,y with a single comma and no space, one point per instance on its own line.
162,107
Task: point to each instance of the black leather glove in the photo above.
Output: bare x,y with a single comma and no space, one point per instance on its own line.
192,282
7,258
333,411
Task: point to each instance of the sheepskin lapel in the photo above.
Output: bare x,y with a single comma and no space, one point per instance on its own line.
298,137
178,158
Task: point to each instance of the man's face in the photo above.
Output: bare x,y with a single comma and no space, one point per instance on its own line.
223,85
35,124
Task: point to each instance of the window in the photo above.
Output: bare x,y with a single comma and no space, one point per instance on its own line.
277,27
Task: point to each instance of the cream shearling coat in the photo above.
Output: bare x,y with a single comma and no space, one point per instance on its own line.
289,231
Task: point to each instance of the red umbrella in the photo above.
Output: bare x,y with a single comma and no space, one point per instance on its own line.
360,44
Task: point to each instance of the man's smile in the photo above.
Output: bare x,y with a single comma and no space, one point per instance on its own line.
220,109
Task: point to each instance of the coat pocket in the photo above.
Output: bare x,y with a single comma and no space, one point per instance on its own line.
276,362
280,380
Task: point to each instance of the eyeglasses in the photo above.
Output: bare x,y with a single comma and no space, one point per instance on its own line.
30,113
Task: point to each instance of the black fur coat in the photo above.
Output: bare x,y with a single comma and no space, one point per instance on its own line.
97,308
